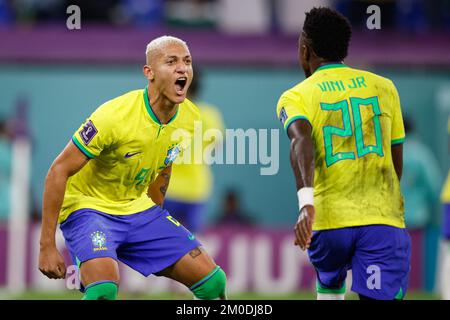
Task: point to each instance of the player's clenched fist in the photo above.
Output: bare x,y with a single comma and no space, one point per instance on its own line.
51,263
303,227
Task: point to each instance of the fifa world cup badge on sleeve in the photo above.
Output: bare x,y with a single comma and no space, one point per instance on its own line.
283,116
98,241
88,132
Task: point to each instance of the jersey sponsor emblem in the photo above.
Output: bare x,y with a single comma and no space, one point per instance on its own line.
129,155
283,116
98,240
88,132
172,154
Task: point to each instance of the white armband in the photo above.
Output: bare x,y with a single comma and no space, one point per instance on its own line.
305,197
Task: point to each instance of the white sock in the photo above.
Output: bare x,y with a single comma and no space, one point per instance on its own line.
330,296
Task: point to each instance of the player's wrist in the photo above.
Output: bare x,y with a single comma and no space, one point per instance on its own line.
305,197
47,243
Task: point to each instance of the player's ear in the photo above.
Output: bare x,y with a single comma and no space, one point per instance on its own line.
305,52
148,73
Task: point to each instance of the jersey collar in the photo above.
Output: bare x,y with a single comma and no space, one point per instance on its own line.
331,66
150,110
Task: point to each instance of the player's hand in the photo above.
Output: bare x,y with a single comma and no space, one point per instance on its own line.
51,263
303,227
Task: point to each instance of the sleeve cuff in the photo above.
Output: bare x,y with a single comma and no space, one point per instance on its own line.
398,141
85,151
293,119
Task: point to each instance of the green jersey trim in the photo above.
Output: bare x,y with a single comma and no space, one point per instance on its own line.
150,110
397,141
82,148
290,121
331,66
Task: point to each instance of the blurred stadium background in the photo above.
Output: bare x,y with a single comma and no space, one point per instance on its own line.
52,78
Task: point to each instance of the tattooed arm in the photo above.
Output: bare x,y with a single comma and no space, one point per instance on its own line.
157,189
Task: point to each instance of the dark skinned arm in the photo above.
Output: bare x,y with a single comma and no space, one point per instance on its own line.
397,158
158,188
302,162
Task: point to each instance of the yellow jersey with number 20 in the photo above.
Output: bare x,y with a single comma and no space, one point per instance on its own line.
355,117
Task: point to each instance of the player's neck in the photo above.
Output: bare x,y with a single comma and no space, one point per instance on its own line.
317,63
162,107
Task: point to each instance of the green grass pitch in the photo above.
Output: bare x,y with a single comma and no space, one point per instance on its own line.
304,295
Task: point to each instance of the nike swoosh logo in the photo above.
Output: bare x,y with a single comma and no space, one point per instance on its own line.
129,155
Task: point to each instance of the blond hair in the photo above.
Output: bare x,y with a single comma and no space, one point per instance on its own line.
156,45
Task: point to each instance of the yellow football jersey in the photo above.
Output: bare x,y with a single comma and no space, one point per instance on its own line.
192,182
445,195
355,117
128,148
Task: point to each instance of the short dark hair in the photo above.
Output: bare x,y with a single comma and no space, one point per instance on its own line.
329,32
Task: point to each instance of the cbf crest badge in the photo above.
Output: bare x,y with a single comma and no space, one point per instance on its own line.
98,241
172,154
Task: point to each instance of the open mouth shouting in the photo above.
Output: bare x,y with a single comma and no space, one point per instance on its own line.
180,85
